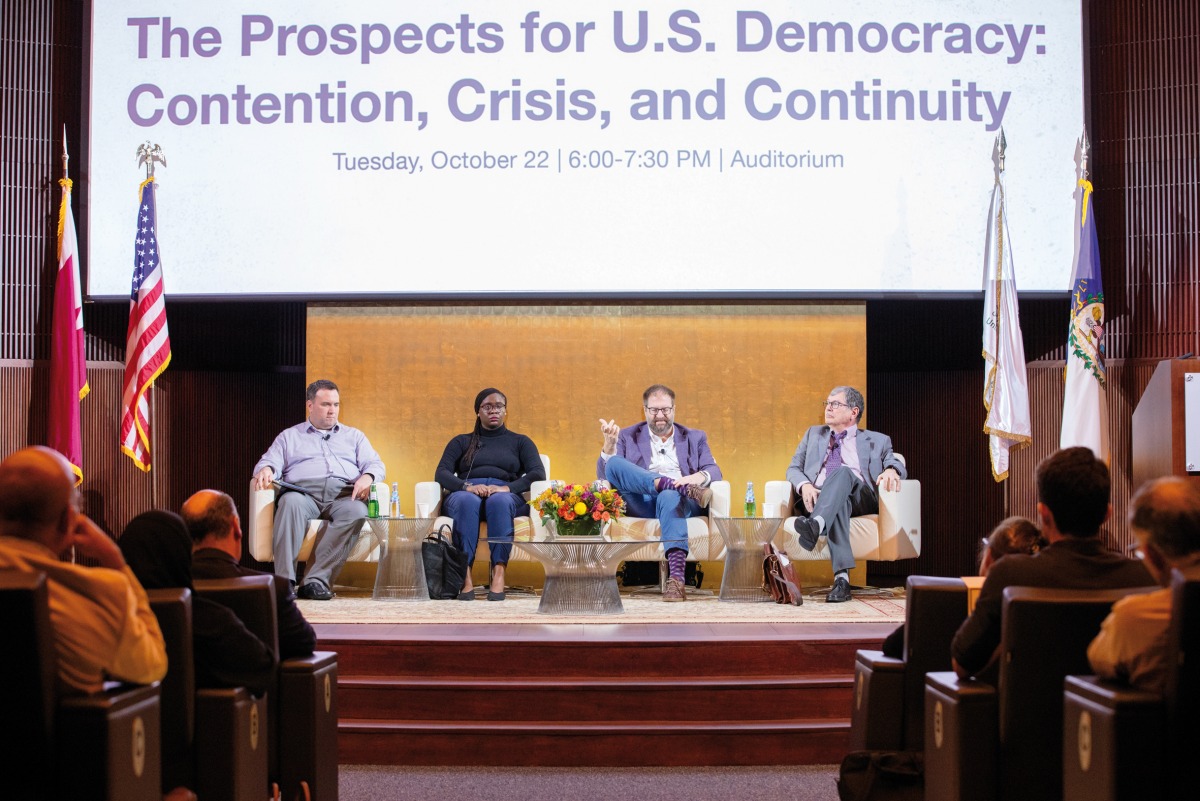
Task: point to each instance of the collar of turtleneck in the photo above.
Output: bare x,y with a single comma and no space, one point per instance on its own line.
495,432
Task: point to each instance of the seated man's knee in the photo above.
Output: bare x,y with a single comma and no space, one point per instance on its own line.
668,500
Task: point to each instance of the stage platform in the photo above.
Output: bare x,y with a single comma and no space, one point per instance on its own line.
702,683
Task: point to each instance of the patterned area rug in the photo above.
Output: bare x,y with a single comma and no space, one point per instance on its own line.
646,609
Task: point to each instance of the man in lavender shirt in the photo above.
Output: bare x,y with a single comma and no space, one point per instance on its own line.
335,466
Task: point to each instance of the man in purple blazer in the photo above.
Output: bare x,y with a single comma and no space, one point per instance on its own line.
663,470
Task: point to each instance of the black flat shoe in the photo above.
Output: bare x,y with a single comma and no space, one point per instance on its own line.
314,592
467,595
495,596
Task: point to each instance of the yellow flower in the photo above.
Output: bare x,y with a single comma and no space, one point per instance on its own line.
581,508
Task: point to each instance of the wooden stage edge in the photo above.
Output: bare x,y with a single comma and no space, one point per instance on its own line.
596,694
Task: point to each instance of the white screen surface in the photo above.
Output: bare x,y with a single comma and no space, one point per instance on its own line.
582,148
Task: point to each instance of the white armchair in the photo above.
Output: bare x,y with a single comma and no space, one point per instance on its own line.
704,541
260,524
894,533
429,495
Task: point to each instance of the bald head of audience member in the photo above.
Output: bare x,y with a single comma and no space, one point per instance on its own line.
213,522
37,498
1165,517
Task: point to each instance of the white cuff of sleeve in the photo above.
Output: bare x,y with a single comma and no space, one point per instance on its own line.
606,456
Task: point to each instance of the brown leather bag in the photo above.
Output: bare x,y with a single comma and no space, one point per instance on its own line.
779,578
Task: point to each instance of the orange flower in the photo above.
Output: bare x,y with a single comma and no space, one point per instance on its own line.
605,517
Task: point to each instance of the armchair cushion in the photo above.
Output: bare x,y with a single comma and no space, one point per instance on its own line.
260,525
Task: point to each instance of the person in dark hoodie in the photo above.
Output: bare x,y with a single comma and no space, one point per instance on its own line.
158,549
485,473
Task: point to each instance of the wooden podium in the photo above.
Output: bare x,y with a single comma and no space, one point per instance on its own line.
1159,430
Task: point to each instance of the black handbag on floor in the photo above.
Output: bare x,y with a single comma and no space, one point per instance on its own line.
445,565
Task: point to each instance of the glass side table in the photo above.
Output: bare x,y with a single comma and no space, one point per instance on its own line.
744,540
401,573
581,575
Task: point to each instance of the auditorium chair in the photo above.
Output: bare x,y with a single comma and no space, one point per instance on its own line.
889,693
302,702
260,525
894,533
213,740
1005,742
1121,744
429,494
102,745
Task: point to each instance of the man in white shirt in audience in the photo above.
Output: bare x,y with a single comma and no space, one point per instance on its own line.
334,466
1132,644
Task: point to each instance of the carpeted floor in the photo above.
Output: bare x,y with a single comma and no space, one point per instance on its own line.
650,609
776,783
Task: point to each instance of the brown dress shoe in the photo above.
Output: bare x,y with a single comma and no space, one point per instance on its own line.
674,591
699,494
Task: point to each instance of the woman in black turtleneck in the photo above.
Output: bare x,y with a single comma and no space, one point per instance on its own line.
485,473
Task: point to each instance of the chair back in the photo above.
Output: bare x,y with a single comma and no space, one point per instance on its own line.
935,608
1182,694
1044,637
28,676
173,608
252,599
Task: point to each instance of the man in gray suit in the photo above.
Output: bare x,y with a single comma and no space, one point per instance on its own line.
835,472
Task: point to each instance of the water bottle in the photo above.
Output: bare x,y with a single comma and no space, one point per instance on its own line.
750,507
373,502
395,508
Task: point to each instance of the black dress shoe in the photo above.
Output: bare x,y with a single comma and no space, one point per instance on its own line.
466,595
840,592
809,531
314,591
495,596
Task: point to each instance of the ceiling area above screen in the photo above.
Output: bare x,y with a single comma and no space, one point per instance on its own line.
584,148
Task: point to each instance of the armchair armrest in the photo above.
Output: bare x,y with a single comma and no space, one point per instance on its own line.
719,506
777,499
260,521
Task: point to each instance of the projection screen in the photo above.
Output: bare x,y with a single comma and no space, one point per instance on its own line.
582,149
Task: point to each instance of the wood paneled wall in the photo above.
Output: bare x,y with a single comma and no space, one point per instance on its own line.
751,376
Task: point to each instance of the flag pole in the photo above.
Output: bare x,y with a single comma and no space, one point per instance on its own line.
148,154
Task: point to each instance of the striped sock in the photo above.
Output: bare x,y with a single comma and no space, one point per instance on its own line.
663,483
677,563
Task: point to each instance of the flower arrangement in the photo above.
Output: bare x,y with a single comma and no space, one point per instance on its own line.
579,509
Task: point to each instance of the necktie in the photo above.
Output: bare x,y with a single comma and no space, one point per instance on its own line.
833,460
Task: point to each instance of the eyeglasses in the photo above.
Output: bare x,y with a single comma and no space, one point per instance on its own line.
492,407
834,404
1135,551
664,411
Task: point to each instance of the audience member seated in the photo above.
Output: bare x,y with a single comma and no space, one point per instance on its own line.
212,520
158,548
1073,489
1013,535
485,473
1132,644
103,625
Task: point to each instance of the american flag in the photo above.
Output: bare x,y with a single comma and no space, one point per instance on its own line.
147,348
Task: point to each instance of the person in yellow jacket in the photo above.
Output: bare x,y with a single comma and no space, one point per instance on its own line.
103,626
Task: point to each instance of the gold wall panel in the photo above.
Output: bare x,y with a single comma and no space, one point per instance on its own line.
751,376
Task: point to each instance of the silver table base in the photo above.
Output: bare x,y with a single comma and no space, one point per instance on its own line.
581,575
